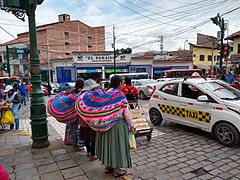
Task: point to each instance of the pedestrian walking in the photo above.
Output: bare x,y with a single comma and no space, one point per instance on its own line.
86,132
49,89
106,86
29,91
130,91
15,99
79,84
107,113
23,92
99,81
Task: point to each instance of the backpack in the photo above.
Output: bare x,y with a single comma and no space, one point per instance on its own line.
130,96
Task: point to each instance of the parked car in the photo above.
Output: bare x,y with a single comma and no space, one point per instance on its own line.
55,88
165,79
145,87
44,89
207,104
65,86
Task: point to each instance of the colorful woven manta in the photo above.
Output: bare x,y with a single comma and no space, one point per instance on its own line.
101,110
62,108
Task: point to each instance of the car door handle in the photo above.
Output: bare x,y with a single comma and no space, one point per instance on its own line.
183,105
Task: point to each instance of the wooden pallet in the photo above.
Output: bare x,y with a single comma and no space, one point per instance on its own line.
140,123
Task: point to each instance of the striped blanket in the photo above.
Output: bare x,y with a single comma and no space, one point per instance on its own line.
62,108
101,110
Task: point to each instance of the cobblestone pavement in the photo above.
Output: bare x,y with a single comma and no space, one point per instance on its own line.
174,152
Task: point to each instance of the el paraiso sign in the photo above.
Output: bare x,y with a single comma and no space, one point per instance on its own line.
99,58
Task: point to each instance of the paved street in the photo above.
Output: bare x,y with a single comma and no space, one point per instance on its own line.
175,152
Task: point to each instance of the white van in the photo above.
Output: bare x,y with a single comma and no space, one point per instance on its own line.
143,75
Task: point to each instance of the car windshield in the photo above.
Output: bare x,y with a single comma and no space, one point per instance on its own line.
71,84
221,90
149,81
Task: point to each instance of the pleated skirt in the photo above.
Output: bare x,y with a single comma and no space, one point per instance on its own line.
112,146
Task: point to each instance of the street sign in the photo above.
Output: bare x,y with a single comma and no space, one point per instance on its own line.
20,51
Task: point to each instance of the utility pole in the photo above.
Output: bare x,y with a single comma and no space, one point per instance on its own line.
48,59
213,44
161,44
114,50
8,63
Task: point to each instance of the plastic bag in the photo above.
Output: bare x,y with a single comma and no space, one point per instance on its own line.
132,141
7,118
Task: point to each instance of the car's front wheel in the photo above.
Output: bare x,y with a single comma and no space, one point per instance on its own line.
155,117
227,134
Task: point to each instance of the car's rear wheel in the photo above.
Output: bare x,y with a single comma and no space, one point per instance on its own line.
155,117
142,95
227,134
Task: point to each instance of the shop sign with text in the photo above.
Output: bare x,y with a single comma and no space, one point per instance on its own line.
98,58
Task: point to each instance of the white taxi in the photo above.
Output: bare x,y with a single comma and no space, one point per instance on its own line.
207,104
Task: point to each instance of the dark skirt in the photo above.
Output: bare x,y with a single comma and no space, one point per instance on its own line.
112,146
87,134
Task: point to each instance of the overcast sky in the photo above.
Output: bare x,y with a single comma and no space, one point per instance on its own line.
138,23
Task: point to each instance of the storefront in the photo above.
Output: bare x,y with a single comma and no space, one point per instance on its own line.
95,65
89,72
66,74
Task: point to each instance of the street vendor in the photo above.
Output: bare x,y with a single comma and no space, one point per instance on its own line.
15,99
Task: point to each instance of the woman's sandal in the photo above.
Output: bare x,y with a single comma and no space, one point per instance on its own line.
108,169
119,172
93,158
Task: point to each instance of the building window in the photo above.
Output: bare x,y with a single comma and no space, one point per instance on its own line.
209,57
194,55
201,57
214,58
66,33
67,53
66,43
89,37
218,58
1,59
89,46
238,48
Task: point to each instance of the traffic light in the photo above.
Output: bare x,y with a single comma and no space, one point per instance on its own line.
123,51
5,67
226,50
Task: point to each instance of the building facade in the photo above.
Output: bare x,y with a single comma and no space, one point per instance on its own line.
205,53
235,55
58,40
100,64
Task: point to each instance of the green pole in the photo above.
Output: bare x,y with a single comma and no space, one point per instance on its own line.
8,64
38,113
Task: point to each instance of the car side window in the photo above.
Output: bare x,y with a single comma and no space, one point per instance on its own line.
170,89
190,91
137,84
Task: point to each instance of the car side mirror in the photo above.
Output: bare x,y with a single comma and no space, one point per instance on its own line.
203,98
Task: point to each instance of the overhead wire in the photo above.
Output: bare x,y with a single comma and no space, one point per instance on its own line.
187,29
142,29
